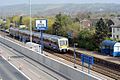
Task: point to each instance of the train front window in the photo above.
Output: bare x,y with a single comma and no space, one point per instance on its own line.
63,42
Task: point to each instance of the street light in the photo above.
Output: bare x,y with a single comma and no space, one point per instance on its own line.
30,22
4,22
75,44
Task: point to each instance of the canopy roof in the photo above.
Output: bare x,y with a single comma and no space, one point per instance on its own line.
108,43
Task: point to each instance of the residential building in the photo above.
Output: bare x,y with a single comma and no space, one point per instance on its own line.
116,28
86,23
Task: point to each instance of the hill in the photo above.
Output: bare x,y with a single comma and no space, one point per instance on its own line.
52,9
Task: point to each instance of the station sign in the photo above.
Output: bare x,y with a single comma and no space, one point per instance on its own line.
87,59
41,24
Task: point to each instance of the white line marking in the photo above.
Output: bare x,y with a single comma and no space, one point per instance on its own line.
16,68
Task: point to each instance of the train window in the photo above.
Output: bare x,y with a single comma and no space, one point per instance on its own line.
118,48
62,42
66,42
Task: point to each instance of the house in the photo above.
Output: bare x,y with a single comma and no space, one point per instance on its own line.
116,28
86,23
94,21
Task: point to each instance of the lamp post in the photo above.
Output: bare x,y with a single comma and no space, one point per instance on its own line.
75,44
30,22
4,22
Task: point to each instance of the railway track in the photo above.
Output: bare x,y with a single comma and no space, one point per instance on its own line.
97,67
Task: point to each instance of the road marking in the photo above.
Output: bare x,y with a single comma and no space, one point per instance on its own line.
16,68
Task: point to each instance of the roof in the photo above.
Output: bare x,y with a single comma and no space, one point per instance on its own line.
117,44
48,35
37,34
116,23
108,43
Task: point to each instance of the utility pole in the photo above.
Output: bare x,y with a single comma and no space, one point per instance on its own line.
30,22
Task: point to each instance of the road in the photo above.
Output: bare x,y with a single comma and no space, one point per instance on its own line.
32,69
8,72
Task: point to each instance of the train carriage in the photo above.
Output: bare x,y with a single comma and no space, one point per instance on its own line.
53,42
110,48
14,32
24,35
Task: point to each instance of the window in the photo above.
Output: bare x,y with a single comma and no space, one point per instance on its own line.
117,36
113,36
113,30
118,48
117,29
63,43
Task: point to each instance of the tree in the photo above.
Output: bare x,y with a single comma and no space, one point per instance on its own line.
109,22
82,16
15,19
118,15
51,21
101,32
61,22
20,21
7,24
26,21
56,28
86,39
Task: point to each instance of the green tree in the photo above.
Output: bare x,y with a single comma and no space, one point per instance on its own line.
15,20
102,31
82,16
8,23
86,39
26,21
118,15
51,21
61,22
20,21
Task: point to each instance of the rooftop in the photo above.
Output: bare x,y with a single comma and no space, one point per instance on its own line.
116,22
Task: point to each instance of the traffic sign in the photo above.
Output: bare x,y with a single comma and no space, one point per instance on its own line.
41,24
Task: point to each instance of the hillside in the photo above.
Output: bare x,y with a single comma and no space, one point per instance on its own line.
52,9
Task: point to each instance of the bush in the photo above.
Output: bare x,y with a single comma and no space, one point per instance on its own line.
86,40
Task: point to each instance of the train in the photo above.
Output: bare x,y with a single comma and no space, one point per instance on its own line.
54,42
111,48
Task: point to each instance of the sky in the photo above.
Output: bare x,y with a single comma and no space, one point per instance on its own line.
13,2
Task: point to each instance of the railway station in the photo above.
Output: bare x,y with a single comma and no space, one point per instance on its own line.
60,40
69,59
